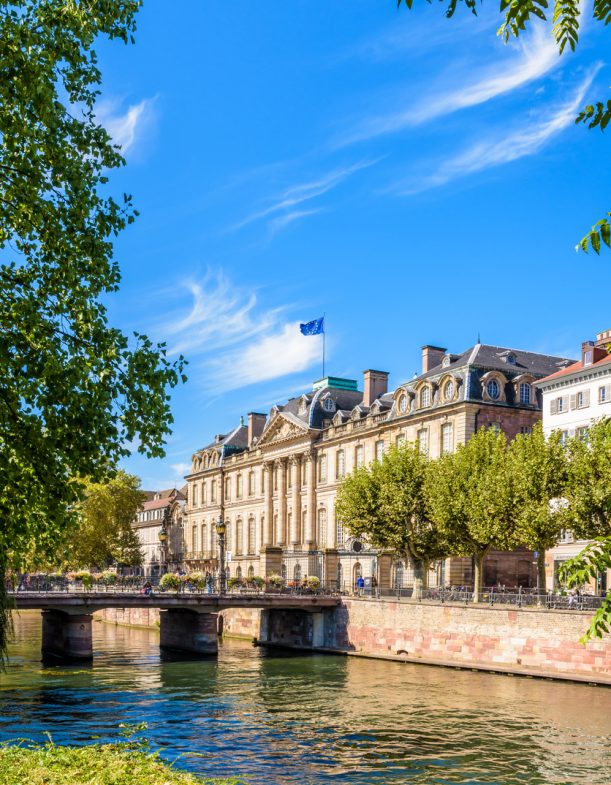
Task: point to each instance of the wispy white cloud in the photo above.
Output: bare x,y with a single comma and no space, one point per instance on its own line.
530,59
284,351
280,211
125,127
231,341
503,148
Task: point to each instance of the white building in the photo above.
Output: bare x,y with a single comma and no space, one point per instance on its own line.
574,397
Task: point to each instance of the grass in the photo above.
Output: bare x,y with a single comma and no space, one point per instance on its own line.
94,764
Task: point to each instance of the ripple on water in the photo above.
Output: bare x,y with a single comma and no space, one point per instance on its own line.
295,719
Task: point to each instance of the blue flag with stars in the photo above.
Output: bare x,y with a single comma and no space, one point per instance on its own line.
314,327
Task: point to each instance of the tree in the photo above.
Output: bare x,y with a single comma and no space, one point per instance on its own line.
519,14
104,534
470,499
75,391
385,503
588,513
538,469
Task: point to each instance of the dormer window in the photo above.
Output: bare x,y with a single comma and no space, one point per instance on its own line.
493,389
328,405
446,361
425,397
303,405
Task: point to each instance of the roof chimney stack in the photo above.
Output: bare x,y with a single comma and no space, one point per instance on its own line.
256,424
431,357
375,385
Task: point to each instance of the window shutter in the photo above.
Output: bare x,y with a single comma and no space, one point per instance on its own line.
573,401
553,406
586,398
565,402
608,392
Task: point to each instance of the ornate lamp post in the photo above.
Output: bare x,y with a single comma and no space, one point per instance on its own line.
221,528
163,539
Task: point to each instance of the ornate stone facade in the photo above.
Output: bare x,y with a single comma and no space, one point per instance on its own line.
274,478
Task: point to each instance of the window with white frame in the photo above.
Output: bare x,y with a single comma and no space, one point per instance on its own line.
379,449
340,535
203,537
403,403
493,389
227,536
238,485
423,441
447,437
425,397
251,535
194,539
195,495
603,396
448,390
359,456
340,464
322,468
564,437
583,433
400,440
322,528
239,536
525,392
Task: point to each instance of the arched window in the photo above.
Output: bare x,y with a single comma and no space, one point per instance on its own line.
251,535
238,572
203,538
525,393
322,528
297,573
448,390
425,397
194,538
357,571
251,571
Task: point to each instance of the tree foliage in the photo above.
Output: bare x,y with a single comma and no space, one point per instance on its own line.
386,504
565,17
470,498
74,391
539,468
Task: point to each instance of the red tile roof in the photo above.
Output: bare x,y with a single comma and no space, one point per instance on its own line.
578,366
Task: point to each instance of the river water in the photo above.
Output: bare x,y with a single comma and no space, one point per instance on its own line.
286,718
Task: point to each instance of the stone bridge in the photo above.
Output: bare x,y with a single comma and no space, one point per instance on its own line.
188,621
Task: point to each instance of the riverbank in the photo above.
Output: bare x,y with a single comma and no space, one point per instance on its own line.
93,764
530,641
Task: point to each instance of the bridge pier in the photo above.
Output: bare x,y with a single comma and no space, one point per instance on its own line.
188,631
66,636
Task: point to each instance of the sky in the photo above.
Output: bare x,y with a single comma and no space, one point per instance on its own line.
411,177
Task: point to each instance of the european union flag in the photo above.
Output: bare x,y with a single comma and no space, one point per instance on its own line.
314,327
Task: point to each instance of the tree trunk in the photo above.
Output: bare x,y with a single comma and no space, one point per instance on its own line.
541,575
426,565
477,574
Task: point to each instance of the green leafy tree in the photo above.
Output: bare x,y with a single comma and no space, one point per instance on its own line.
539,470
588,512
74,390
104,534
386,504
470,499
566,22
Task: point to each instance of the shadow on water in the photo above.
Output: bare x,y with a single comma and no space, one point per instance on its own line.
274,716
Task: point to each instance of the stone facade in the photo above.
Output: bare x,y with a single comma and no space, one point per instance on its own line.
274,478
573,398
161,509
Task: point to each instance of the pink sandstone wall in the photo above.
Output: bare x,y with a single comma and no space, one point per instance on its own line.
518,640
237,622
133,617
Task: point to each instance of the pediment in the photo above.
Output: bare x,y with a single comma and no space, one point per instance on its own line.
283,427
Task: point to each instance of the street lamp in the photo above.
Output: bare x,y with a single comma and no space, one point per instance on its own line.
163,539
221,528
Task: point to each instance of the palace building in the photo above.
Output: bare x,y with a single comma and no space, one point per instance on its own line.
273,478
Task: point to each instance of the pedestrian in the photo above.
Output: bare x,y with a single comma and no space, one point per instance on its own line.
360,585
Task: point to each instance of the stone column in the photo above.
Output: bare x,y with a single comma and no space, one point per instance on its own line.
282,534
66,636
296,519
268,468
310,528
188,631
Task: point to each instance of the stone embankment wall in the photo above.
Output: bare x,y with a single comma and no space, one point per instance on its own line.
533,641
526,641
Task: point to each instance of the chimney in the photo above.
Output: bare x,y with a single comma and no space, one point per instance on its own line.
431,357
256,424
375,384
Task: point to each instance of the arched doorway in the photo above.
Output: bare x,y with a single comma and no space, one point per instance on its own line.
357,572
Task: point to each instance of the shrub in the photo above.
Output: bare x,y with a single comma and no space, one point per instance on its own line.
85,577
275,580
313,582
233,583
170,581
197,580
257,581
108,577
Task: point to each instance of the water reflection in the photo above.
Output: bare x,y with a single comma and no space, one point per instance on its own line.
289,718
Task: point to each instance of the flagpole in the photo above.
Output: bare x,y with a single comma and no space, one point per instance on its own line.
324,333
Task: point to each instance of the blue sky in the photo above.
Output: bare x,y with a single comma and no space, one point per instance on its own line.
410,176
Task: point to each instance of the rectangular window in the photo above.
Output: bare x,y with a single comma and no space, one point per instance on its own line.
227,488
583,433
340,464
195,499
322,468
203,494
400,440
359,456
251,483
379,449
213,492
423,441
560,404
525,393
238,486
447,438
564,437
602,395
526,429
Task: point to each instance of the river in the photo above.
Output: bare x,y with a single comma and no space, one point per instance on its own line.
291,719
